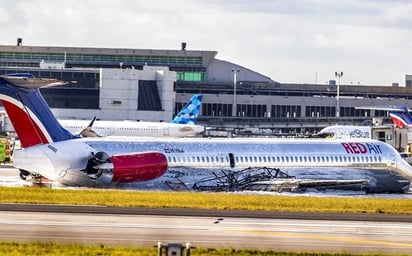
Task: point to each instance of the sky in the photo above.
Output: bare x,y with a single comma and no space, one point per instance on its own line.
291,41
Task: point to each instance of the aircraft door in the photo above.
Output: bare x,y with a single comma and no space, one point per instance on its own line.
166,131
112,129
232,160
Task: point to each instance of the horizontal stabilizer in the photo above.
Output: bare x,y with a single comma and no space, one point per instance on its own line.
32,82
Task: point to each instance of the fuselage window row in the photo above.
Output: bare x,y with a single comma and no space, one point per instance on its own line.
273,160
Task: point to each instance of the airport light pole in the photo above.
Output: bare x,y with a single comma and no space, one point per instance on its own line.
338,75
234,71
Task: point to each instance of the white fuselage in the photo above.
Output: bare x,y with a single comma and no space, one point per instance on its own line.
347,132
70,156
131,128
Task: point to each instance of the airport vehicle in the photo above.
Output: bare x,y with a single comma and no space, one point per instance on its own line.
52,152
182,125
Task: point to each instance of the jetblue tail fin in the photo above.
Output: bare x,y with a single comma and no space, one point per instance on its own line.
29,113
190,112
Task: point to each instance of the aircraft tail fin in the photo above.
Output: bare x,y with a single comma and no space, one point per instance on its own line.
401,118
190,112
92,122
399,115
29,113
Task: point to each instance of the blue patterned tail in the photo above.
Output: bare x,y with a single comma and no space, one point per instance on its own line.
190,112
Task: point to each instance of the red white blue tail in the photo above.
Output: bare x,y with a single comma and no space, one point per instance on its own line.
400,116
29,113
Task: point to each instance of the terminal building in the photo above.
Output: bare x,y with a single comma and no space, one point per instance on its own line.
152,85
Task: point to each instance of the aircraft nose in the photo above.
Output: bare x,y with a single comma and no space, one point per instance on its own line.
404,168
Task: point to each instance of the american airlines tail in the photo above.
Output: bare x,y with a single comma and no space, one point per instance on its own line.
190,112
400,116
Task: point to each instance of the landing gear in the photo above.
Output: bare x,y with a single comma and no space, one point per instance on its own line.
24,175
36,179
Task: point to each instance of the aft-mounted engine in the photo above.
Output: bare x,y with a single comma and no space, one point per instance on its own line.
124,168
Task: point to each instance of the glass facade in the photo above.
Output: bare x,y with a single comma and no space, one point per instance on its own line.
320,111
187,68
251,110
102,58
285,111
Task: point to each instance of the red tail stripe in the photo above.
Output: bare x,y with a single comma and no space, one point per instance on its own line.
29,133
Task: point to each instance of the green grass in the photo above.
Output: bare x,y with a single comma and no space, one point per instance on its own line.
53,248
219,201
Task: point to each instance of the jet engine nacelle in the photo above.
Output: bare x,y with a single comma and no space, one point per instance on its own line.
124,168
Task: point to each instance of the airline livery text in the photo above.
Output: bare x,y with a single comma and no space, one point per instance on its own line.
361,148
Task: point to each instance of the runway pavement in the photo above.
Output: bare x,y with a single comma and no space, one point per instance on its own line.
379,233
94,225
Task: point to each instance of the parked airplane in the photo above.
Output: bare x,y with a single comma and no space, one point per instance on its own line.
181,126
52,152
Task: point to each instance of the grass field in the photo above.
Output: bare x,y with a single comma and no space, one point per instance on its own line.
219,201
39,248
